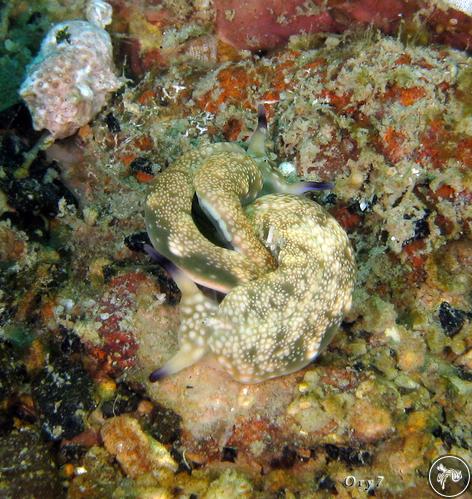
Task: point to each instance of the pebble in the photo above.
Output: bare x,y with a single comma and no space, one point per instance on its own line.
62,394
230,485
465,360
369,422
451,319
137,452
123,399
106,389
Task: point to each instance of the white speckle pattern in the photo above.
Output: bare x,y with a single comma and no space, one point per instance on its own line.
290,282
221,175
278,323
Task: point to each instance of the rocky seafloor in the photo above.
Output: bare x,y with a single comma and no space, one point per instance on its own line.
86,315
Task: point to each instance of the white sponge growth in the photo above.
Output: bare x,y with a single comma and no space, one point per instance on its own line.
68,81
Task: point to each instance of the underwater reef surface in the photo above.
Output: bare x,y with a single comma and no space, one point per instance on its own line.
86,315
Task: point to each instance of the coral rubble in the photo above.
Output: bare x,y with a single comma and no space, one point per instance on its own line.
68,81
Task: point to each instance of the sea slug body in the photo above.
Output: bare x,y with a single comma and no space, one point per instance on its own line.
223,177
289,276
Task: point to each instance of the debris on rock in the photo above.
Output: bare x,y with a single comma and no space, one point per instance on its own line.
136,452
63,396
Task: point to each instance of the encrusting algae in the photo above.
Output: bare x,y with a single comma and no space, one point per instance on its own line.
275,320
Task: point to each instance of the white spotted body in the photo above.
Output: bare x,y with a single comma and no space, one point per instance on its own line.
222,176
278,323
289,283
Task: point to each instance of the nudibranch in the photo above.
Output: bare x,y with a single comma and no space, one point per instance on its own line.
289,277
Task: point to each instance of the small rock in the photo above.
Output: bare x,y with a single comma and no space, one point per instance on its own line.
136,452
465,360
106,389
405,382
310,415
451,319
230,485
349,455
124,399
229,454
411,355
31,196
327,483
369,422
101,479
137,241
112,123
69,341
145,408
141,164
62,396
163,424
27,467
